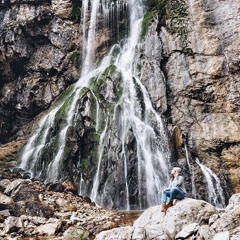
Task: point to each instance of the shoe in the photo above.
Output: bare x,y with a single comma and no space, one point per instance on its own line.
169,204
164,207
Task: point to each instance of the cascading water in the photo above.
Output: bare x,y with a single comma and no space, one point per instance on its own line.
215,191
191,170
131,164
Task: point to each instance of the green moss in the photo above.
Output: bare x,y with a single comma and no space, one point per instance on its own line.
172,14
60,118
76,9
65,94
96,82
76,57
146,23
178,15
154,8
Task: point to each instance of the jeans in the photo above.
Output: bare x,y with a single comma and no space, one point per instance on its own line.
173,193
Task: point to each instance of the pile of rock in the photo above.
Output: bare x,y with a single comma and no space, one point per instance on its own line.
33,210
187,219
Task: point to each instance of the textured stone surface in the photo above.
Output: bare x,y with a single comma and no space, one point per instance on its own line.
36,46
203,88
59,214
187,219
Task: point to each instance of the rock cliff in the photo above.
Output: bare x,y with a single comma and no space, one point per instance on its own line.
190,66
195,46
38,59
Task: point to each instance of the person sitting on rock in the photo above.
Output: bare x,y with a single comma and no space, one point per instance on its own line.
175,189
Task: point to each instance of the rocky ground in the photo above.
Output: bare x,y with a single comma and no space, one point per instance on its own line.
188,219
33,210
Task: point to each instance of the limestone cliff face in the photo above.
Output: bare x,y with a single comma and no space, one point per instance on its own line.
190,67
200,59
38,58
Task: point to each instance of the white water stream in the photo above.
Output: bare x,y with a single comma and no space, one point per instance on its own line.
191,169
215,191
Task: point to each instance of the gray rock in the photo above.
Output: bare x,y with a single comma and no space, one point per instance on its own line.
49,228
115,234
183,219
13,224
221,236
5,213
187,231
5,199
3,184
74,233
14,184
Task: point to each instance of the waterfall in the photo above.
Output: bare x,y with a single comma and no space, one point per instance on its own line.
132,163
191,170
215,191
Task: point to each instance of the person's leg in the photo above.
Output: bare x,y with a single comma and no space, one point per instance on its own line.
165,195
176,193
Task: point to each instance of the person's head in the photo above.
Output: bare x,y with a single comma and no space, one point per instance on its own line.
176,171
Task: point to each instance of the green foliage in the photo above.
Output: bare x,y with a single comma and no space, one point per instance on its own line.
146,23
154,8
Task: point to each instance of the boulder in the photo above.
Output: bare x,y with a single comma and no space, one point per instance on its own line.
187,231
69,186
13,224
221,236
12,185
55,187
183,213
5,213
187,219
74,233
49,228
31,208
115,234
184,216
3,184
5,199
